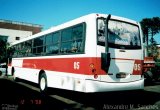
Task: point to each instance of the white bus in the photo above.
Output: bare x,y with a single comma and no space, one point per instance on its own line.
93,53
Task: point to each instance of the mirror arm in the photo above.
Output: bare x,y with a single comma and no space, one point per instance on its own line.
106,34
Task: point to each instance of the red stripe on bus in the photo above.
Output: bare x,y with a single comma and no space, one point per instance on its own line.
70,65
75,65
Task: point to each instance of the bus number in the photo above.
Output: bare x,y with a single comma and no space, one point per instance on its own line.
76,65
137,67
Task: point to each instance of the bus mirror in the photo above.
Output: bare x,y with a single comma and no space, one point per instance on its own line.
105,61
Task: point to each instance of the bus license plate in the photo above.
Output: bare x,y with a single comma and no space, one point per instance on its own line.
121,75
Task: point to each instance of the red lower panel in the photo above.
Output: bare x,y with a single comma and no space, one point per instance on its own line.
70,65
75,65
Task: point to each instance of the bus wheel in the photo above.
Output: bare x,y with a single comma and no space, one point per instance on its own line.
149,76
12,71
43,83
13,74
0,73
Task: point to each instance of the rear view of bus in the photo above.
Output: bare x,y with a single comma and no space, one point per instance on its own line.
119,55
93,53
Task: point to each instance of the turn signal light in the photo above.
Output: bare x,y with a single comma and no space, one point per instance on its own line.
91,65
93,70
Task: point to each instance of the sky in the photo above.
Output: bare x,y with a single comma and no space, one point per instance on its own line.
49,13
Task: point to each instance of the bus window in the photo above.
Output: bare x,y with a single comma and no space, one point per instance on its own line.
66,47
77,35
40,50
56,37
77,46
120,34
38,46
34,51
52,49
48,39
77,32
124,35
66,35
38,41
52,43
73,43
14,51
27,48
101,32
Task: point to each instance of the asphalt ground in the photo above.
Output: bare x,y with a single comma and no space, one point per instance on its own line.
23,95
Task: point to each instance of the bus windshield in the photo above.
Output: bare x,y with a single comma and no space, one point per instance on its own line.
121,35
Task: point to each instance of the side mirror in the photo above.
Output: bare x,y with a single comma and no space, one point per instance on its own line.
105,61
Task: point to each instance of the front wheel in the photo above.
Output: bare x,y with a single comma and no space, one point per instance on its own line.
43,83
0,73
13,75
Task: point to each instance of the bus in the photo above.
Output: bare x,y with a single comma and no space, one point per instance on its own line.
93,53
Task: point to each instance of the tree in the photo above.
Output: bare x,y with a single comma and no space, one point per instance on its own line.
150,27
3,54
145,24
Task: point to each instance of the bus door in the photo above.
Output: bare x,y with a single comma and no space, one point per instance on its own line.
121,54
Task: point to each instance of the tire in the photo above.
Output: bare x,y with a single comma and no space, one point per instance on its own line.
43,83
12,71
149,74
13,75
0,73
149,77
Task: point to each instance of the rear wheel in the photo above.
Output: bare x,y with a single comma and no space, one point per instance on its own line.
0,73
43,83
149,77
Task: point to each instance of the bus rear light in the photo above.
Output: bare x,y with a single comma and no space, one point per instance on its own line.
93,70
91,66
95,76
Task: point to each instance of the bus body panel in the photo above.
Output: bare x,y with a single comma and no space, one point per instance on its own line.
129,62
126,61
82,71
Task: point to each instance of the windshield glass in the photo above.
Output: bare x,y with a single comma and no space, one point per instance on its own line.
120,34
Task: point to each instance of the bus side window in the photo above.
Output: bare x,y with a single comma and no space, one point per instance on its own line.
77,37
66,47
76,46
52,43
66,40
38,46
52,49
28,46
12,52
80,46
